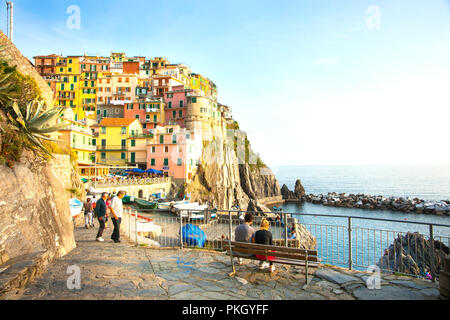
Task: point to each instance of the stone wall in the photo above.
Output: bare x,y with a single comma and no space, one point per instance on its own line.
271,200
63,169
24,66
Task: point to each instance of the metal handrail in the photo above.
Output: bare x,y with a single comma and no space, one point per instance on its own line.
339,216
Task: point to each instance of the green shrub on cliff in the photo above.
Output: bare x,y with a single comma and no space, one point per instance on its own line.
24,124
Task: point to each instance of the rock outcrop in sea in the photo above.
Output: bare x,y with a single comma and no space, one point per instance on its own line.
411,254
297,194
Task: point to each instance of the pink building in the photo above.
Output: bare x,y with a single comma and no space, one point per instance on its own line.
175,151
150,114
176,101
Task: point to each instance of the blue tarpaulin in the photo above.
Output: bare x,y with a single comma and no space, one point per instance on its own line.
154,171
193,236
135,170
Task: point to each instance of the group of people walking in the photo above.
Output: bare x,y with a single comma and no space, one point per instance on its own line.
102,209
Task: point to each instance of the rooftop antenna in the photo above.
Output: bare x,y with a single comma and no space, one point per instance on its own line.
9,19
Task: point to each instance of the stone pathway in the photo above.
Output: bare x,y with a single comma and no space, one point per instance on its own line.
122,271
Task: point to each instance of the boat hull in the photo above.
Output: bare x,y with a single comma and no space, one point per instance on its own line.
143,204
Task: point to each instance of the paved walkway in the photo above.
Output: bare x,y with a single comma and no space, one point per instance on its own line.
121,271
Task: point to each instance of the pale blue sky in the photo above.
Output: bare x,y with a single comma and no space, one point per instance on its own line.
308,80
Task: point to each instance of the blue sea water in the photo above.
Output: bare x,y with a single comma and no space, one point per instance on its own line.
370,237
424,182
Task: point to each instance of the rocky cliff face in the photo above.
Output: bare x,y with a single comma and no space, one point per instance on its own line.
34,205
223,180
34,211
411,254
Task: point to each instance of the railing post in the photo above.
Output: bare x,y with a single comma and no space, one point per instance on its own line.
230,225
432,269
181,230
285,230
350,251
135,227
129,223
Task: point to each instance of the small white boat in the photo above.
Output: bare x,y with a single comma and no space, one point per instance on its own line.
187,206
76,206
168,205
194,212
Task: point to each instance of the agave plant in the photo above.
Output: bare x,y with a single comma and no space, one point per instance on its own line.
7,87
36,125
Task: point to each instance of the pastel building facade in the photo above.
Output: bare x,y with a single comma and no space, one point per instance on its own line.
150,113
174,151
176,104
78,138
113,140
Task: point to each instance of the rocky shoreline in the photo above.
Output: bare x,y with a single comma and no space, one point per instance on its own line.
362,201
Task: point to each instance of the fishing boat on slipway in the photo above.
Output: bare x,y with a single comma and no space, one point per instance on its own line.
168,205
193,211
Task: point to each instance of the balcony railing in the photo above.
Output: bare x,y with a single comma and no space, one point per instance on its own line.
78,129
85,147
141,136
112,148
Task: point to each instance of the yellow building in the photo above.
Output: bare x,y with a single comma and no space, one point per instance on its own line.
118,56
113,140
77,137
137,150
67,86
198,82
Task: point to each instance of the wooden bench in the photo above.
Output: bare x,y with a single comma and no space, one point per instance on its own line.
290,256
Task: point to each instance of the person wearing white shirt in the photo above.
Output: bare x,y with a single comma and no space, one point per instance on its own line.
117,210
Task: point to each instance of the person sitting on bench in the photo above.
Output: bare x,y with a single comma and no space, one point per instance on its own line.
264,236
244,233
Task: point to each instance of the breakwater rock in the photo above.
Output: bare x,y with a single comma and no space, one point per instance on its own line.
297,194
411,254
363,201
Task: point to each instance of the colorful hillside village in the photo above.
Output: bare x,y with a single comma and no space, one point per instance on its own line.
133,112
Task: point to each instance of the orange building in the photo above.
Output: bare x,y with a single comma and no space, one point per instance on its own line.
131,67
